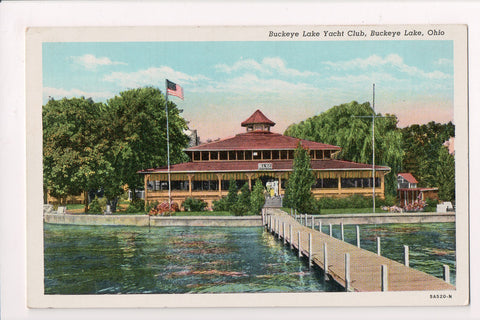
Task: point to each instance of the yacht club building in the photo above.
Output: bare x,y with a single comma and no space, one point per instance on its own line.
259,153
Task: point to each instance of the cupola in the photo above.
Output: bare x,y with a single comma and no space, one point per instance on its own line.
258,122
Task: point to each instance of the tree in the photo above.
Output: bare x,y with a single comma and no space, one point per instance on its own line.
73,154
257,197
422,144
135,124
232,195
340,126
446,175
298,194
243,204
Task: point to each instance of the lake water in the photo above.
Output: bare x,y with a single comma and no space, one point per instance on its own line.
109,260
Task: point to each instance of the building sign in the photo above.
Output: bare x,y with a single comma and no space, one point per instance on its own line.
265,166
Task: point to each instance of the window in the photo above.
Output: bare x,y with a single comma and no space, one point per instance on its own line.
325,184
180,185
359,182
223,155
231,155
318,154
240,155
196,156
205,185
213,155
275,154
204,156
226,184
283,154
291,154
248,155
257,155
267,154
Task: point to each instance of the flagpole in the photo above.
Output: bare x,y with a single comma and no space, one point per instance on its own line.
373,145
168,148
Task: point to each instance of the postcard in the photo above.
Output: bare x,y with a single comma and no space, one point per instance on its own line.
269,166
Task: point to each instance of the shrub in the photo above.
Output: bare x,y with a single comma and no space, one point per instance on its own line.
193,204
220,205
137,205
98,206
151,205
431,205
257,198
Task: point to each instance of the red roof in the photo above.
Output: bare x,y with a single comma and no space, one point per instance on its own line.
409,177
257,117
277,165
261,141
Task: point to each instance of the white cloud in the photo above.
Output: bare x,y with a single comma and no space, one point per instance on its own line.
151,76
59,93
392,60
444,62
267,66
252,83
91,62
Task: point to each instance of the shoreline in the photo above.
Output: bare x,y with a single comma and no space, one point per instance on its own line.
241,221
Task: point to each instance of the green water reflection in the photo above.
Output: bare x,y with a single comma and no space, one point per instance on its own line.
106,260
431,245
109,260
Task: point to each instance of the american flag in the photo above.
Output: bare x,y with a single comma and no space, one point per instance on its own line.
174,89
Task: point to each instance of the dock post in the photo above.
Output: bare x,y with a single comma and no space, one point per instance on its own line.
291,211
347,272
313,222
379,248
384,278
357,228
299,248
291,238
269,223
325,260
320,225
301,219
284,238
263,217
406,256
330,228
446,273
342,231
309,251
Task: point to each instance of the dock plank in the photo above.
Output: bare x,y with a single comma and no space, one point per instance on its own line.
365,266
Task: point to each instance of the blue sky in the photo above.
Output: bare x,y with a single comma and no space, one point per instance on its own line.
224,82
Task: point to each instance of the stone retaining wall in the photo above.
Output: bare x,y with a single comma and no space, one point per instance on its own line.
145,221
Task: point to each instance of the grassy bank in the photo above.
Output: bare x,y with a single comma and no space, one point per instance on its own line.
345,210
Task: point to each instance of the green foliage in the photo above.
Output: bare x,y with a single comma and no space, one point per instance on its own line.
136,205
446,175
220,204
232,195
257,197
422,144
315,206
193,204
88,145
431,205
340,126
243,204
98,205
150,205
298,194
73,151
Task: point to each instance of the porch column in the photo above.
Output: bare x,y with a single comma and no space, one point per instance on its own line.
279,184
219,176
249,176
190,176
382,183
339,181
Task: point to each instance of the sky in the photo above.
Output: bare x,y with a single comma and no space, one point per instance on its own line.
225,82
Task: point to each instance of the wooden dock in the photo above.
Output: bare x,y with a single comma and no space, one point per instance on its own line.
366,271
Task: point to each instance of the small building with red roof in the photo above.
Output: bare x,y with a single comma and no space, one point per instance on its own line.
409,192
261,154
